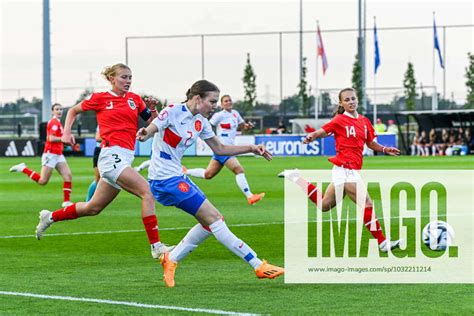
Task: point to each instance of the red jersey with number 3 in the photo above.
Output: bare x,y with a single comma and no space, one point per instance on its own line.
350,135
54,128
117,117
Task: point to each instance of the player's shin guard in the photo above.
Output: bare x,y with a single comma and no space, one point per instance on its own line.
151,227
91,190
197,172
372,224
243,184
67,188
237,246
191,241
33,175
66,213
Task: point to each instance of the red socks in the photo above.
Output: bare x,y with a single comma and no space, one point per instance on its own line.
312,190
67,190
32,174
373,225
151,227
69,212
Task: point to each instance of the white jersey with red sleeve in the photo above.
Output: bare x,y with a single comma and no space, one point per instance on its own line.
226,124
117,117
54,128
177,130
350,135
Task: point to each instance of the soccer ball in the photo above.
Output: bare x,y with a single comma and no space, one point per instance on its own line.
438,235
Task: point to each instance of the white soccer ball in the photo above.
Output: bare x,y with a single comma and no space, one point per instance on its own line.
438,235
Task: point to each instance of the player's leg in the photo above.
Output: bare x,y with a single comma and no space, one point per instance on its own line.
144,165
104,194
233,165
41,178
93,184
65,172
131,181
210,172
371,221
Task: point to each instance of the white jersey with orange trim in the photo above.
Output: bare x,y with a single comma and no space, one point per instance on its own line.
178,129
226,124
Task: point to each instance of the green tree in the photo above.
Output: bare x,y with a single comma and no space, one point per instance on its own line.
357,81
326,102
470,82
303,91
409,82
250,87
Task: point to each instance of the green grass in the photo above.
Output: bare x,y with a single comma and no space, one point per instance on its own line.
118,266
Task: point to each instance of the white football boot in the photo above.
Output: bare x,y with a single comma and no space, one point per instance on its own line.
66,204
18,168
44,223
160,249
292,175
384,246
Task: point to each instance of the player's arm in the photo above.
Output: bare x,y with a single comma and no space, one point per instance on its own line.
320,133
232,150
245,126
392,151
145,133
149,113
67,137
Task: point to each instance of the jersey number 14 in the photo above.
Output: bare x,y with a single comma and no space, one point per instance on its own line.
350,130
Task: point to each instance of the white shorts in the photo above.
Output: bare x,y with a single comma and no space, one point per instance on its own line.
342,175
51,160
112,161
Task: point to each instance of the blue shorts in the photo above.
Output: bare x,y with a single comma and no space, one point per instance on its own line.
179,192
221,159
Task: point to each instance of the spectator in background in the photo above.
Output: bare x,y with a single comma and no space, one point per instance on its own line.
392,128
414,144
433,145
379,127
444,142
281,128
422,145
468,139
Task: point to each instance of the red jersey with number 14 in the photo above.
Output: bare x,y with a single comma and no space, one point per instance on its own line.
117,117
350,135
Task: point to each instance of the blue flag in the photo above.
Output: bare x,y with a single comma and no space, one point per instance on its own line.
436,44
377,53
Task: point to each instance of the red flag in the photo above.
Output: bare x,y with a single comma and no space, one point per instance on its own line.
321,51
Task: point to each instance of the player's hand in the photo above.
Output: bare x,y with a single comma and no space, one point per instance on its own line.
142,134
68,139
151,101
261,151
248,125
309,138
392,151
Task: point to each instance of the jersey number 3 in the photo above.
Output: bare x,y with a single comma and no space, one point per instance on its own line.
350,130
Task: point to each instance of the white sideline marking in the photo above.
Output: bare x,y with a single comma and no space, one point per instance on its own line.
132,304
130,231
171,228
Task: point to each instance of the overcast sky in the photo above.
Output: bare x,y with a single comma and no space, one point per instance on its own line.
86,36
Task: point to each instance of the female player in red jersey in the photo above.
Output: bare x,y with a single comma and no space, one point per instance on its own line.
52,157
117,115
351,131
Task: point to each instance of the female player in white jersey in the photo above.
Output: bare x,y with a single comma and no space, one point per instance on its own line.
227,123
176,128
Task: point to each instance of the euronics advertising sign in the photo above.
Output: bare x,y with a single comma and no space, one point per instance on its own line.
430,211
291,145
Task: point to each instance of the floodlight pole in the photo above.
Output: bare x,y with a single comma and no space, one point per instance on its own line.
46,106
202,56
301,41
126,51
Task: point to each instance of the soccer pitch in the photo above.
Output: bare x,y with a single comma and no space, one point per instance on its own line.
102,264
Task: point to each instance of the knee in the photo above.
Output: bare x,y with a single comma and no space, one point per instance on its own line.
42,181
93,209
147,196
238,170
325,207
67,177
209,175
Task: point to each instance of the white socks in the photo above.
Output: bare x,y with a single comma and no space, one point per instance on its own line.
143,165
193,238
243,185
237,246
197,172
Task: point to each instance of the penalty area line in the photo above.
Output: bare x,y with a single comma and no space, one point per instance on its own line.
123,303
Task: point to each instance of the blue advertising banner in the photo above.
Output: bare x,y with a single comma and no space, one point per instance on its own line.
290,145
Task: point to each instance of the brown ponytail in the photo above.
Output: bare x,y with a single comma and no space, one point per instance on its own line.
338,110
